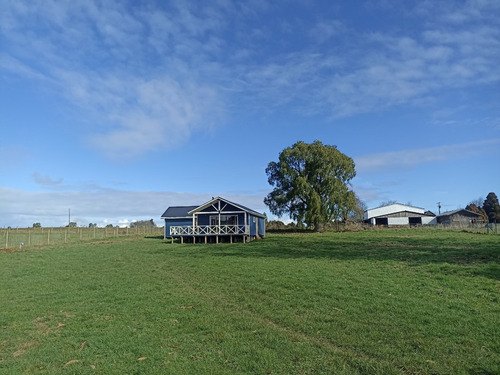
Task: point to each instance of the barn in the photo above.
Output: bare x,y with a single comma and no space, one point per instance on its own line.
459,218
217,220
397,214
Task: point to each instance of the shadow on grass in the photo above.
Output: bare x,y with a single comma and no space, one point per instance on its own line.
481,257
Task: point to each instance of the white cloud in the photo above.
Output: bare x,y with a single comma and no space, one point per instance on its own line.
409,158
152,77
100,66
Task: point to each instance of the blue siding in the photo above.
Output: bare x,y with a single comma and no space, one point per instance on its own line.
253,224
262,226
174,222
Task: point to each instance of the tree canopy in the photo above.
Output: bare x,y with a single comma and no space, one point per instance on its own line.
312,184
492,207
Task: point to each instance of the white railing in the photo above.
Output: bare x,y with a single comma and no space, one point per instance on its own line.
189,230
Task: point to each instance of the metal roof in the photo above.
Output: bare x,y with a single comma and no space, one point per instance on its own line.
449,213
178,212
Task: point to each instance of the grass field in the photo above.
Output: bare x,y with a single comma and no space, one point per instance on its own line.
416,301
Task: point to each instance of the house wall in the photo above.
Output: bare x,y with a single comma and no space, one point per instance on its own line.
262,226
253,221
253,225
174,222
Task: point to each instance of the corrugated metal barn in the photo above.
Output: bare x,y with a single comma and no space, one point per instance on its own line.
214,221
399,215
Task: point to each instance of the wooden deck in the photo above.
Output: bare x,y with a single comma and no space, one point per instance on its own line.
207,230
215,232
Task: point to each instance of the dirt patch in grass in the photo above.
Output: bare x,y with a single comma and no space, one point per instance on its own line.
23,348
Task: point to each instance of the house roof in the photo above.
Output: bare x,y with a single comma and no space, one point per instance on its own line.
210,202
177,212
181,212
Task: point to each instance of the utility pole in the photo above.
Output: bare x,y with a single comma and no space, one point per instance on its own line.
439,208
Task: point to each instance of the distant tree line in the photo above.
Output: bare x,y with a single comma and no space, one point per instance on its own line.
143,223
136,224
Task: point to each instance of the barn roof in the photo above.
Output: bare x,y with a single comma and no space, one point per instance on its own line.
449,213
177,212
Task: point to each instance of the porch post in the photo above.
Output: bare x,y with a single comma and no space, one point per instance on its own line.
218,230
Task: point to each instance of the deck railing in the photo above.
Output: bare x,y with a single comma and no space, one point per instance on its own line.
189,230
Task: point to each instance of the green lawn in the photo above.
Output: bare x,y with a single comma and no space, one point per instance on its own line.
406,301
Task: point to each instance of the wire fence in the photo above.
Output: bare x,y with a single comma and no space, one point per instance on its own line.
20,238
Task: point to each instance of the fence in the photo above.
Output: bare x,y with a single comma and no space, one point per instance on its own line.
20,238
473,227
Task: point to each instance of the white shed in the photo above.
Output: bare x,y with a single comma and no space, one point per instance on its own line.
399,214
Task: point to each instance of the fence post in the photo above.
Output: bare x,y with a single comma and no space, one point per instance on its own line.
7,239
48,237
29,238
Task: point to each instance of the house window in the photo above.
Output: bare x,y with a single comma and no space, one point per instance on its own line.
224,220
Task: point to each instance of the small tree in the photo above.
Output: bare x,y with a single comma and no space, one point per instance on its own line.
92,225
311,184
37,225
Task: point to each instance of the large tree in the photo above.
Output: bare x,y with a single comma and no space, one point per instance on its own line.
492,207
312,184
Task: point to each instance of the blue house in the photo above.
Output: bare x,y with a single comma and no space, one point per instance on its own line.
214,221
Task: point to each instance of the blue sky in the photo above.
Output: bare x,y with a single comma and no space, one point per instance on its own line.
117,110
